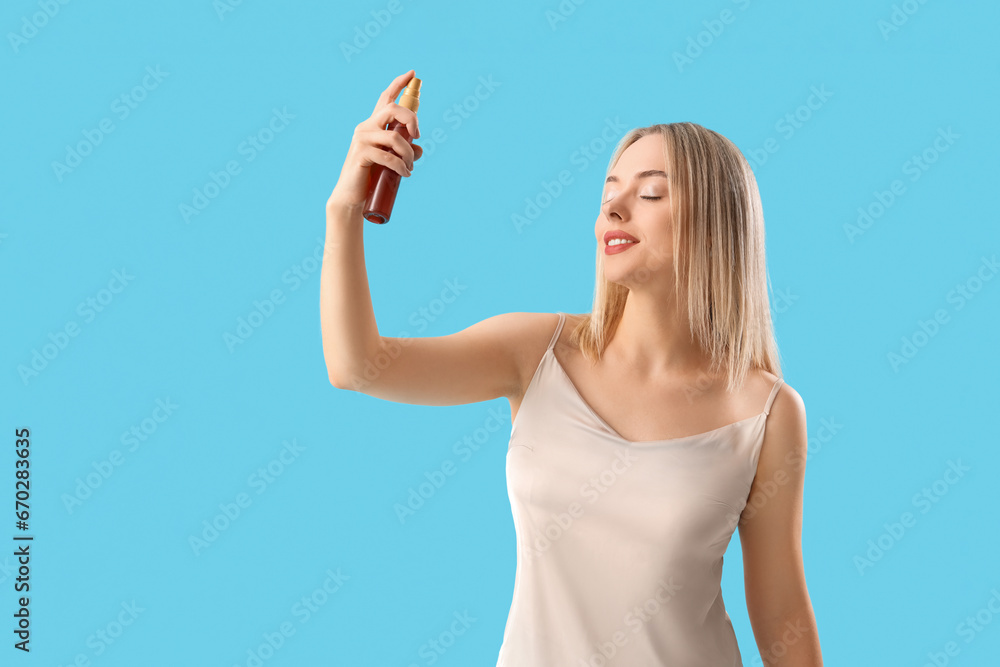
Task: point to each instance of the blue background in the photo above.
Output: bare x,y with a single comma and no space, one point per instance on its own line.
843,305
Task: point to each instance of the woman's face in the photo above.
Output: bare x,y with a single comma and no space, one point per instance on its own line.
635,204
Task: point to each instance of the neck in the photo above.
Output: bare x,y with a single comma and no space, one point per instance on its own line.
653,337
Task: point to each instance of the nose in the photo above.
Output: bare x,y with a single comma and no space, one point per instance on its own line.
615,207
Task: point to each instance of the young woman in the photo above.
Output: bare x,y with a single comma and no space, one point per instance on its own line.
644,432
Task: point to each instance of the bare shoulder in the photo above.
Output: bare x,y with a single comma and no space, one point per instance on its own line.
785,436
788,411
526,335
530,334
759,384
572,321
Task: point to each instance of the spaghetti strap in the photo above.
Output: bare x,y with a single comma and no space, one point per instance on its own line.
770,399
555,334
669,522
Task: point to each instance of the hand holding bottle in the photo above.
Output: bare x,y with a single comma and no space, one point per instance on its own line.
372,145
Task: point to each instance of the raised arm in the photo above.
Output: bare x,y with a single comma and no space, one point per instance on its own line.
479,363
482,362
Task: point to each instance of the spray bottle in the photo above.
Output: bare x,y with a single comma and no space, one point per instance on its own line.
384,182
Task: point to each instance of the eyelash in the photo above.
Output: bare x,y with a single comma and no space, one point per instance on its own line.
640,197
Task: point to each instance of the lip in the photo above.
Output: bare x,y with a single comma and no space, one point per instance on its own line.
618,234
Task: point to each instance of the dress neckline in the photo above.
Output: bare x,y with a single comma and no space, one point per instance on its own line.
611,431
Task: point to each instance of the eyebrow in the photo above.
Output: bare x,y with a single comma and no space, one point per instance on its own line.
641,174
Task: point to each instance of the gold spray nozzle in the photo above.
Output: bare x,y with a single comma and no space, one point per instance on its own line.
411,95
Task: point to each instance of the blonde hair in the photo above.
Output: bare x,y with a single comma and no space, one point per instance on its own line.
718,250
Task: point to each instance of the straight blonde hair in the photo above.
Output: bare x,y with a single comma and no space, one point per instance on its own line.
718,250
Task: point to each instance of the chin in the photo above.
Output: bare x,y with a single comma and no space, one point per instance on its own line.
623,278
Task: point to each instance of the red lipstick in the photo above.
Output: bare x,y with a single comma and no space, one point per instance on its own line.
618,247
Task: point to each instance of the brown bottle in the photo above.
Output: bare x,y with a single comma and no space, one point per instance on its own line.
382,181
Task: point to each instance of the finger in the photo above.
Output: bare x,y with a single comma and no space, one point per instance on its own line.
418,151
392,141
374,154
397,144
393,111
390,93
388,141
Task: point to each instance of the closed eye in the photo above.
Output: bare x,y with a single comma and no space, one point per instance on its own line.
640,197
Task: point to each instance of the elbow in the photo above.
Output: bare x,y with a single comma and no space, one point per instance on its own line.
337,381
345,381
347,373
336,371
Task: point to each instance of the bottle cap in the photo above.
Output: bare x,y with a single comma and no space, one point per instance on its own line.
411,95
